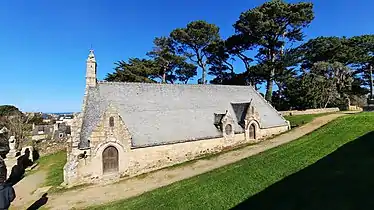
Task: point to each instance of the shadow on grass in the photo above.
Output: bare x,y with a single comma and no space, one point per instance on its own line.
341,180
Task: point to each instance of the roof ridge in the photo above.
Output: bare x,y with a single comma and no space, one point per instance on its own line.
168,84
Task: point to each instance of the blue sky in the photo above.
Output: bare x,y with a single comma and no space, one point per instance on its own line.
43,45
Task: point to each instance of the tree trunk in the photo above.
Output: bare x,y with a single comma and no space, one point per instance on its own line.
269,89
201,63
327,102
221,76
164,76
315,106
371,81
269,83
348,102
204,74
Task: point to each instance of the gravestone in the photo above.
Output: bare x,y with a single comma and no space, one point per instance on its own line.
12,147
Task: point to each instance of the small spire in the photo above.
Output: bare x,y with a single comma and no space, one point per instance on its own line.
91,55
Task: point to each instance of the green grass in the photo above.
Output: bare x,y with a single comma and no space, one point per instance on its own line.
299,120
53,164
246,180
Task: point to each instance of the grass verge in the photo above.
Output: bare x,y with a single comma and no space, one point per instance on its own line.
228,186
299,120
53,164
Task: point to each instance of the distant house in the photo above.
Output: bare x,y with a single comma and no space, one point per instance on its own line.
42,129
41,132
56,131
46,120
67,119
62,130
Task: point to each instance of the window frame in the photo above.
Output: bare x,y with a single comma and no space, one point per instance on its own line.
111,121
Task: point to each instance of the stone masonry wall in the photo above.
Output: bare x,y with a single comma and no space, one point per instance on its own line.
133,162
354,108
269,132
50,147
309,111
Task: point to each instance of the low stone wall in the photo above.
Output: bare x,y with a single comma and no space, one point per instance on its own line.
354,108
309,111
268,132
39,137
49,147
142,160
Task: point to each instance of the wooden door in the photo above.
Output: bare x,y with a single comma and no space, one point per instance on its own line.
110,160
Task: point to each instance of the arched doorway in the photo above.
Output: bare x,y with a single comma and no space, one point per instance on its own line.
252,131
110,160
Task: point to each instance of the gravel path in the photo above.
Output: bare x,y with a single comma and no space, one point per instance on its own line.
95,195
27,190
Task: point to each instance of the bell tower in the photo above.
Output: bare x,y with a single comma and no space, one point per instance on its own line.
91,68
91,81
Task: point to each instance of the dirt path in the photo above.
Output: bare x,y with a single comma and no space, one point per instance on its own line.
132,187
26,190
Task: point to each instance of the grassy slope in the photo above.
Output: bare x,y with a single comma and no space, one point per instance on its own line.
299,120
228,186
54,165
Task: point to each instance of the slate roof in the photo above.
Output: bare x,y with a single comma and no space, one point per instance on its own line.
157,114
240,110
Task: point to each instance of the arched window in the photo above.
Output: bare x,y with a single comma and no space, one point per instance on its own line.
252,131
228,129
111,121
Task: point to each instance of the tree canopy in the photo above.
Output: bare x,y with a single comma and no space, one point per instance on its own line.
135,70
193,41
170,67
164,66
9,110
268,27
268,41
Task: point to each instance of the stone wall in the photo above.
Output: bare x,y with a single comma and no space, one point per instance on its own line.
133,162
268,132
49,147
309,111
39,137
86,166
354,108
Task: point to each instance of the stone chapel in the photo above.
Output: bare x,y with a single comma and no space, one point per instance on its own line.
126,129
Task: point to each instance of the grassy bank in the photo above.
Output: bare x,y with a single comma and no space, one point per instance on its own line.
264,182
299,120
53,164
